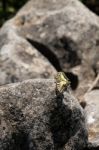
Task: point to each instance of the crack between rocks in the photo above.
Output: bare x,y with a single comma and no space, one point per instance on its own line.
45,51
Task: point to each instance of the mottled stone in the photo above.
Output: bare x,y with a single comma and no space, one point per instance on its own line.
47,35
67,28
32,117
19,60
92,111
66,34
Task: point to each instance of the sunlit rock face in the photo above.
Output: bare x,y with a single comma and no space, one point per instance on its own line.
92,110
46,36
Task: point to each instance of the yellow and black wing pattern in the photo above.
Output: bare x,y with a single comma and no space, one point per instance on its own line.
62,82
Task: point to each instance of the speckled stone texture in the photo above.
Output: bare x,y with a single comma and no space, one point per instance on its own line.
50,35
32,117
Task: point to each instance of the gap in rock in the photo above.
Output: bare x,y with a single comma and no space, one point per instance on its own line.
45,51
20,141
71,51
73,78
92,147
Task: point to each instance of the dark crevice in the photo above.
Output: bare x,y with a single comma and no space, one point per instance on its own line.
95,70
96,88
83,104
73,78
19,141
45,51
92,146
71,51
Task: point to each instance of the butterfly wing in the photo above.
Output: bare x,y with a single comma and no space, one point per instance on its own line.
61,82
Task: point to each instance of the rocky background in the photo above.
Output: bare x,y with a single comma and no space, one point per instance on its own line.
45,37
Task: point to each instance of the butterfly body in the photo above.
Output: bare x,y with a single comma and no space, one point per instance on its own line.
62,82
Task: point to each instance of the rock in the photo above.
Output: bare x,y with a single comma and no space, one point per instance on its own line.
64,27
32,117
61,31
92,111
19,60
63,35
93,5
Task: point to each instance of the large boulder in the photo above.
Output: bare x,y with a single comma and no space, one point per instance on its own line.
43,37
47,35
32,117
19,60
67,28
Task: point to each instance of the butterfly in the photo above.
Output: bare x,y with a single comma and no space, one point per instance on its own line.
62,82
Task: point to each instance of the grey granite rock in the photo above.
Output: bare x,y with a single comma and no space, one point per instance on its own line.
32,117
92,112
19,60
46,36
67,28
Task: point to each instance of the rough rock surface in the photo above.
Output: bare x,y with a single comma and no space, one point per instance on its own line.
19,60
66,29
65,32
46,36
32,117
92,111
